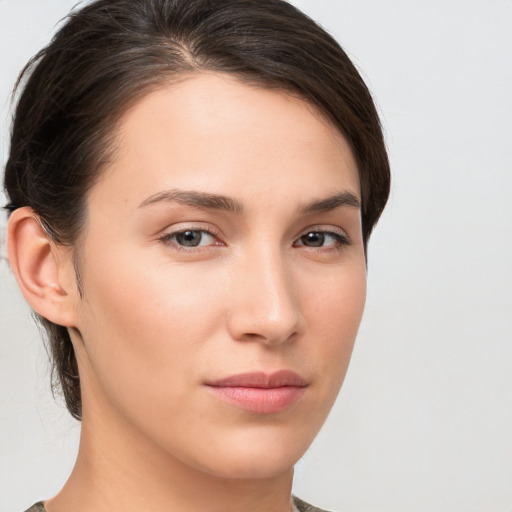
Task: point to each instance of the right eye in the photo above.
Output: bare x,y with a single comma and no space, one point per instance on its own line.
189,238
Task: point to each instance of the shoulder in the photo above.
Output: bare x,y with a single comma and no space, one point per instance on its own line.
38,507
302,506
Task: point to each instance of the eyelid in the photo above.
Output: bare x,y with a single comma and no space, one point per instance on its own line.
179,227
325,228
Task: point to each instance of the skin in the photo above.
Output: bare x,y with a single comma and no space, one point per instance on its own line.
158,320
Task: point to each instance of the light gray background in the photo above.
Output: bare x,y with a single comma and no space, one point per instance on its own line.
424,421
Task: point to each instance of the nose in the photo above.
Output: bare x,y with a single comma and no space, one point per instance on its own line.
264,303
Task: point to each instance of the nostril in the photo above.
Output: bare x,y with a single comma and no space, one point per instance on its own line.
270,335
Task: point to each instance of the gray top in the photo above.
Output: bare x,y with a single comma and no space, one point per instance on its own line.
302,506
297,504
38,507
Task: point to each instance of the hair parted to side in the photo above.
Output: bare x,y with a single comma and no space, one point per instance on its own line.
112,52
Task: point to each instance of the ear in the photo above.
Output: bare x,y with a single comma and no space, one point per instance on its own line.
43,269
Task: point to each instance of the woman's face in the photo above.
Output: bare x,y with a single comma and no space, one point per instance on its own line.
224,278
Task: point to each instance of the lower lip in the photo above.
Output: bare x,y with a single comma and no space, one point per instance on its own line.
260,400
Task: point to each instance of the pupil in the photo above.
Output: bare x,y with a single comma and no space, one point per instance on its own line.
189,238
314,239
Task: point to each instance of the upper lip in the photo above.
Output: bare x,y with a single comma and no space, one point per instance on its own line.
263,380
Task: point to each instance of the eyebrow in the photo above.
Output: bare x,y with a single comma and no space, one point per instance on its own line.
330,203
224,203
197,199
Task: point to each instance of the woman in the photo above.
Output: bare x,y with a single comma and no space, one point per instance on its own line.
192,186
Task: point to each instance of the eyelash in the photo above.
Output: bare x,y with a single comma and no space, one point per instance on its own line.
340,240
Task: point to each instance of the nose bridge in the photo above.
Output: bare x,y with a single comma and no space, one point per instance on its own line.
266,305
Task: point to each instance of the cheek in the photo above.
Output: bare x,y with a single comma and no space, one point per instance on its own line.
141,328
339,301
336,316
154,302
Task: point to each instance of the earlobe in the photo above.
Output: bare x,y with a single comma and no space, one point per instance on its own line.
39,267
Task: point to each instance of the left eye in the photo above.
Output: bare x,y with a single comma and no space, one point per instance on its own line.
321,239
190,238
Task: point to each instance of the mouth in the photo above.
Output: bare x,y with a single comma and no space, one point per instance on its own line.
259,392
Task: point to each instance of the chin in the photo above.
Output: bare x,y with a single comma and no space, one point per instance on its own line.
260,467
260,457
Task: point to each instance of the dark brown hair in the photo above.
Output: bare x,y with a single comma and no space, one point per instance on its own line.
112,52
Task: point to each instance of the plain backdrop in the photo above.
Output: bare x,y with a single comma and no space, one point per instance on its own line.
424,419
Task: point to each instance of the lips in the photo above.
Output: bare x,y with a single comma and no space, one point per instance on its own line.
259,392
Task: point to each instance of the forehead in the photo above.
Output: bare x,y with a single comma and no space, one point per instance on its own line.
214,133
